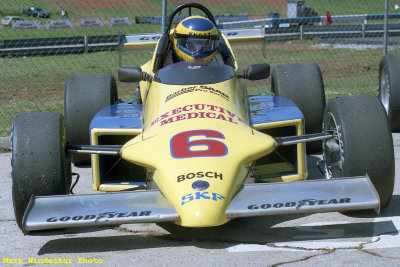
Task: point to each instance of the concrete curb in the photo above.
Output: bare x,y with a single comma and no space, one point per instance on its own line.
5,144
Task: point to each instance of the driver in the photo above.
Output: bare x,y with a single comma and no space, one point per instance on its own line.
195,37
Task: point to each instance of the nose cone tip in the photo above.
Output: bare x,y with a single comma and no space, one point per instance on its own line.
203,216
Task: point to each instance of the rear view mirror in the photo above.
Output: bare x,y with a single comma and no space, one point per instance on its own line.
255,72
132,75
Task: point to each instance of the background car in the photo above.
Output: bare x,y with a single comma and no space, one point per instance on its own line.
37,12
7,20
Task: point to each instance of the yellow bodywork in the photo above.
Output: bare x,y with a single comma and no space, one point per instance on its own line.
219,118
198,146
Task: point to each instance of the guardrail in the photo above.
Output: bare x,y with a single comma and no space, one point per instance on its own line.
276,22
58,46
76,45
324,32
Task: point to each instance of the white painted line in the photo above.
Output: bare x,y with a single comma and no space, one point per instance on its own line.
320,245
387,240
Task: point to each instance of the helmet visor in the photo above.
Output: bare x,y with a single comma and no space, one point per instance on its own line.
191,46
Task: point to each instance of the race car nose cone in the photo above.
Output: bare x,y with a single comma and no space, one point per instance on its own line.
203,209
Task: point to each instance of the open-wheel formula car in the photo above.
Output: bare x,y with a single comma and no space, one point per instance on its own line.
193,148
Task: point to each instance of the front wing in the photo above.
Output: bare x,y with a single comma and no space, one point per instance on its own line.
355,193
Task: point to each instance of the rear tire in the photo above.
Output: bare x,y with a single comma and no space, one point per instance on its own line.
389,88
364,143
303,84
39,163
85,95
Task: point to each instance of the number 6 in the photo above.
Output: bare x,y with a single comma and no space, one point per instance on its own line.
181,147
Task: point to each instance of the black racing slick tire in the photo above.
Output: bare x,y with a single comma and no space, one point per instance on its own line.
40,166
363,144
303,84
389,88
85,95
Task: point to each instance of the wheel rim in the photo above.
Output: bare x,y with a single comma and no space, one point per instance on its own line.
384,93
333,149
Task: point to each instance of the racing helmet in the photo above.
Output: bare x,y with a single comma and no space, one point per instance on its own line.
195,37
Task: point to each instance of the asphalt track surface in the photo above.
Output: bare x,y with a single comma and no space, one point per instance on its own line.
324,239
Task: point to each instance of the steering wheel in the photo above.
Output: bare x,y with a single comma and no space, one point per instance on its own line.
188,5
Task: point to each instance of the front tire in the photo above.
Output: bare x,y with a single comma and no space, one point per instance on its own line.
40,166
363,143
303,84
389,88
85,95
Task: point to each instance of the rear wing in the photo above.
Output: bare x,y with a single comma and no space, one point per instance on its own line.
149,40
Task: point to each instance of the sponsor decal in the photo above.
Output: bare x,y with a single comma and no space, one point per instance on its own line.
149,38
197,88
98,217
26,25
91,22
197,111
201,195
193,68
229,34
242,33
200,185
59,24
199,34
300,203
192,175
123,21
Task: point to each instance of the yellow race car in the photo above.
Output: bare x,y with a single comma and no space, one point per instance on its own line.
193,148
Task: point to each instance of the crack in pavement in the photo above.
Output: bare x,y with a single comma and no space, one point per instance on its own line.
327,251
304,248
7,220
302,259
377,255
378,239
